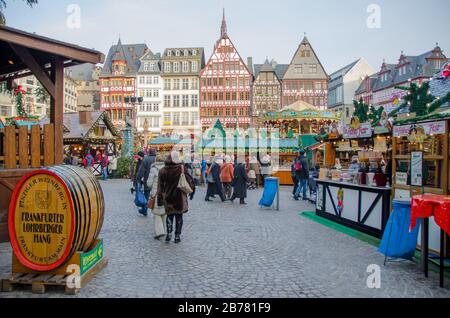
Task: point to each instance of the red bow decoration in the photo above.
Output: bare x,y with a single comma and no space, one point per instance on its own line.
446,71
19,90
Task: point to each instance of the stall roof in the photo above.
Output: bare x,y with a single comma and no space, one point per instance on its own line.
302,110
42,49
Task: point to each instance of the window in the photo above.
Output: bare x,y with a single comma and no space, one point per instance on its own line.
185,83
177,52
185,101
176,119
176,101
186,53
166,67
148,93
194,83
155,122
185,67
176,84
169,53
152,66
149,107
167,119
155,93
298,69
156,107
194,66
194,118
167,84
194,100
145,67
313,68
194,52
141,79
318,85
167,100
185,118
176,67
149,80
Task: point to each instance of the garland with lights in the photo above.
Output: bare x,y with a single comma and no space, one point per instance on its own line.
361,110
18,93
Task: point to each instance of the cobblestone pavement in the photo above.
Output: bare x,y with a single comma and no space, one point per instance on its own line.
237,251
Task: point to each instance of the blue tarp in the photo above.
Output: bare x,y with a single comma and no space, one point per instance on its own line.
270,191
397,241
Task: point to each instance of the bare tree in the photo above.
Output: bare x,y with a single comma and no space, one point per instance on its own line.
3,6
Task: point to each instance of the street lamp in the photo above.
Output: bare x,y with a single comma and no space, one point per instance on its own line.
130,126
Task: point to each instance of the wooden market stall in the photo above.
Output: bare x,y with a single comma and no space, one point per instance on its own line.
24,150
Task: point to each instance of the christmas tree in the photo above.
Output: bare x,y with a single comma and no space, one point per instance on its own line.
361,110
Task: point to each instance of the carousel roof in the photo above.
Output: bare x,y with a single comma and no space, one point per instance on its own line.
302,110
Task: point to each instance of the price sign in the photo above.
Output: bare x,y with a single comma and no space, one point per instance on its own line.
416,168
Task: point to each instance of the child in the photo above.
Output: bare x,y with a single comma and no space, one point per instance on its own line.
252,177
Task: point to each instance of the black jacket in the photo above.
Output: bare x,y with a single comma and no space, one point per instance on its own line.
144,170
240,182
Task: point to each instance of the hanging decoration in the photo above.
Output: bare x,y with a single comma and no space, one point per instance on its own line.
18,94
361,110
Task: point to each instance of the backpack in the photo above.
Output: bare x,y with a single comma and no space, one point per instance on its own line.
298,166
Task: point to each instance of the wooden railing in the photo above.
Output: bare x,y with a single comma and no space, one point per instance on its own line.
27,148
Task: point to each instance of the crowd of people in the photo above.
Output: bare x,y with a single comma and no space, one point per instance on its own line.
107,163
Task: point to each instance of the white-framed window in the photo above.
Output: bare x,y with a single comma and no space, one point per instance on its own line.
156,80
194,101
313,68
186,53
152,66
155,122
185,101
177,53
194,118
194,66
141,79
166,67
176,67
176,84
156,93
185,84
169,53
156,107
185,67
146,67
167,84
149,80
148,93
184,118
149,107
298,69
167,100
176,100
176,119
194,83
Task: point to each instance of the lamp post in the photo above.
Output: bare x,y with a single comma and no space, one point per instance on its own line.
130,124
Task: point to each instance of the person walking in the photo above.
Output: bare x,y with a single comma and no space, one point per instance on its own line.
159,214
240,181
137,161
303,176
214,183
174,200
88,162
256,167
227,176
295,175
142,177
197,171
113,166
266,169
104,163
204,168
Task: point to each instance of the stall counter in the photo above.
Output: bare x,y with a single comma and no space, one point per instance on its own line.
360,207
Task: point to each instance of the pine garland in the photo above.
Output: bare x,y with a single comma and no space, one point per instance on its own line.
361,110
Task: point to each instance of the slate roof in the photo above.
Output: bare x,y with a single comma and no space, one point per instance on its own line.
440,86
280,69
362,87
82,72
381,85
131,53
343,71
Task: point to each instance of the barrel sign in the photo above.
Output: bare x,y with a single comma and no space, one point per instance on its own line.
54,213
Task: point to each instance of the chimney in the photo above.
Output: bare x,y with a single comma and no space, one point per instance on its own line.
250,64
85,117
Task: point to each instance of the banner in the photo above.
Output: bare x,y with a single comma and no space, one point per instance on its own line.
429,128
363,131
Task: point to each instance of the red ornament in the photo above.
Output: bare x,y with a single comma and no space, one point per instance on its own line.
446,71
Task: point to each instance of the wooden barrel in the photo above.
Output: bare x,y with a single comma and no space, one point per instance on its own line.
54,213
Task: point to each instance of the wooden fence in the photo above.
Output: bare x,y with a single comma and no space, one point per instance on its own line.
27,148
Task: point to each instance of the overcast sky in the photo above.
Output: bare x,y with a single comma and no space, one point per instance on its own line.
337,29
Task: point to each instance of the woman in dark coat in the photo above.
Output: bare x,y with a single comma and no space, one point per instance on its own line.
240,183
174,200
215,187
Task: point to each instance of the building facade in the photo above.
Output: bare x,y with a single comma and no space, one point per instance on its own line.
365,89
181,99
70,94
267,88
86,77
149,88
118,82
305,78
409,69
225,86
343,84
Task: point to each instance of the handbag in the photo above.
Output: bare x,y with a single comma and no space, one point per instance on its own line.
198,172
151,203
183,185
140,200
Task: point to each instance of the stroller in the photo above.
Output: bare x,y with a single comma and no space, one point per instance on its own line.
312,190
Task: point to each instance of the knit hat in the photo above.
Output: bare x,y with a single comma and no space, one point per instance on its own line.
175,156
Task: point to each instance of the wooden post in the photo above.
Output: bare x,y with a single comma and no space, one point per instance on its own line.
57,108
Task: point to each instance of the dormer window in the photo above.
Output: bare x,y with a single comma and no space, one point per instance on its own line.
169,53
177,53
186,53
145,67
194,52
152,67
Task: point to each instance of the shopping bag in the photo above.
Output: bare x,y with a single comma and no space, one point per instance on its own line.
140,200
183,184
